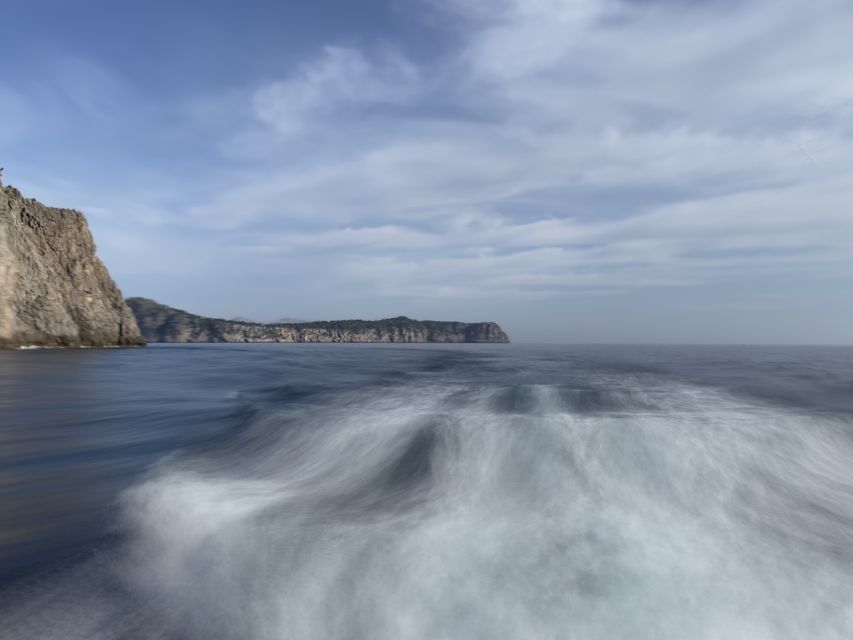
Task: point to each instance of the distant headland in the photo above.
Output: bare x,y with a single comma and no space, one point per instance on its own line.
161,323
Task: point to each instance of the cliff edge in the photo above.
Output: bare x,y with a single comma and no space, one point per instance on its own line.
160,323
54,291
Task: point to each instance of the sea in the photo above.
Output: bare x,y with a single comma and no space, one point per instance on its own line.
316,491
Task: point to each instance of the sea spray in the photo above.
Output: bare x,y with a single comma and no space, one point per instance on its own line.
599,504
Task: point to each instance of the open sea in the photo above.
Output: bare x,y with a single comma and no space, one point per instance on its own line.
278,492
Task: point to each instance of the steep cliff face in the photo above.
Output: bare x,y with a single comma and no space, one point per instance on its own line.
54,291
160,323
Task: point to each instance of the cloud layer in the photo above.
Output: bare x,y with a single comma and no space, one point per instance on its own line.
540,150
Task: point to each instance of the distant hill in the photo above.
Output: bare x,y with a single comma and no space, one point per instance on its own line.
161,323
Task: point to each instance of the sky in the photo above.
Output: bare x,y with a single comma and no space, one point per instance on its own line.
653,171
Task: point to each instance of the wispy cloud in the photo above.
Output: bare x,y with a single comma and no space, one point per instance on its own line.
340,78
541,149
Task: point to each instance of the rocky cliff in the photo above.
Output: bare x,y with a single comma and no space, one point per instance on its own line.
160,323
54,291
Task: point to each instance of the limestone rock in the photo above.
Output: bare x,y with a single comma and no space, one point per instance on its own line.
54,291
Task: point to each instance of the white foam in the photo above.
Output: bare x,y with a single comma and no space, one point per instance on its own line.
688,519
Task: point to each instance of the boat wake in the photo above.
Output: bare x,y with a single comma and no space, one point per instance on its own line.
630,508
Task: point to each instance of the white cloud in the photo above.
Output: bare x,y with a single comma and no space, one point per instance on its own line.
341,77
742,236
738,115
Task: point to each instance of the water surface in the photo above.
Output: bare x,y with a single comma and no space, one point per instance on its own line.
426,491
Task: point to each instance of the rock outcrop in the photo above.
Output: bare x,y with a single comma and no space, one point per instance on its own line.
160,323
54,291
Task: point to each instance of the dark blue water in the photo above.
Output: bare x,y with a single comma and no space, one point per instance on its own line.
465,491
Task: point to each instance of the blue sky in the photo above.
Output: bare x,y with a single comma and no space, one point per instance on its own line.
577,170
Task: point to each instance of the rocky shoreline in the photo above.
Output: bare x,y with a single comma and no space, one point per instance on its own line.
161,323
55,292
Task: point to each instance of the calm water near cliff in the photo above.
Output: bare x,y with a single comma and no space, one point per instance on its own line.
426,491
